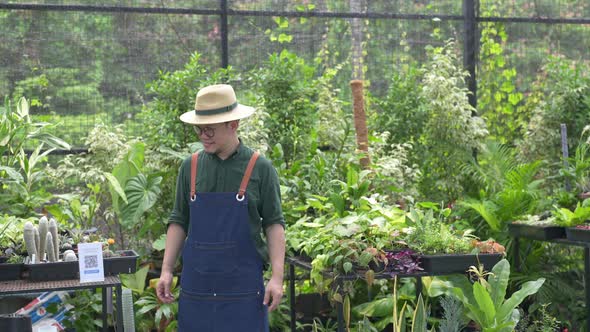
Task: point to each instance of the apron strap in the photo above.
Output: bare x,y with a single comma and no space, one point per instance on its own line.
247,175
194,160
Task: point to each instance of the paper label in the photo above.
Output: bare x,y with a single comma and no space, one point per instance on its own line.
90,262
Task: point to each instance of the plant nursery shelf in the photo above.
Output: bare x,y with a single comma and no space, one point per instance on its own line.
124,262
458,264
541,233
12,287
579,242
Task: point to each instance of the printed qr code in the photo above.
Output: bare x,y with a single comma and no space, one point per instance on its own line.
91,262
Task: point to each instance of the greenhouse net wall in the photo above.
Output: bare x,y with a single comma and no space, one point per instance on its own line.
85,62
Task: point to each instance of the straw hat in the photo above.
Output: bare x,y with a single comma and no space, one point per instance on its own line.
216,104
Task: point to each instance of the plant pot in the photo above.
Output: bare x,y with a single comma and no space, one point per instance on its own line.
311,305
12,322
124,262
457,263
52,271
542,233
578,234
11,271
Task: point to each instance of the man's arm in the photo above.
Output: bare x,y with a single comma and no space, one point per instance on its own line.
175,238
275,236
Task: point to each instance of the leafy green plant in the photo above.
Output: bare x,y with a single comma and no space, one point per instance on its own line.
452,320
566,218
286,90
21,174
428,234
451,132
509,189
485,299
497,96
173,94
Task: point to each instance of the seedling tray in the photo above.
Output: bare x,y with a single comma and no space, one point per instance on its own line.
542,233
124,262
457,263
578,234
11,271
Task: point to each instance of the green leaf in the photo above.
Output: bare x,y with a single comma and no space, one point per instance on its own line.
115,185
347,267
528,288
419,316
160,243
135,281
484,301
499,282
285,38
142,192
12,173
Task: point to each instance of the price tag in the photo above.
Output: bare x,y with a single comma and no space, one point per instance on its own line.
90,262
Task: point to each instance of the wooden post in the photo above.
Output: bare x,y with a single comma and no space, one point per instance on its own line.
360,121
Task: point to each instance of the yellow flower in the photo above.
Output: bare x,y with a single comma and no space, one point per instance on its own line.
111,241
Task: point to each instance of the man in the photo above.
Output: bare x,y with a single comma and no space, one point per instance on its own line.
226,195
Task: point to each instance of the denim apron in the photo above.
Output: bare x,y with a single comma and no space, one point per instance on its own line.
221,281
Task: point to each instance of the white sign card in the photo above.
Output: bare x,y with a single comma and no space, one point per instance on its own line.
90,262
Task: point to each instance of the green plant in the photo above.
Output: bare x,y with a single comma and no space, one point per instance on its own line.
451,132
578,166
509,189
453,311
428,234
173,94
286,90
566,218
497,96
21,174
485,299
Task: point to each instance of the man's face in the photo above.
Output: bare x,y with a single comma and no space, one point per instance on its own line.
215,137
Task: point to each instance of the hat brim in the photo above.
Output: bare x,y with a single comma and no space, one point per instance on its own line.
240,112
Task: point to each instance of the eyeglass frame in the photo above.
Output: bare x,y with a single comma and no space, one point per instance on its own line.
208,131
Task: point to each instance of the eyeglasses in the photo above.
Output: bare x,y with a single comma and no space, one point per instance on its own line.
208,131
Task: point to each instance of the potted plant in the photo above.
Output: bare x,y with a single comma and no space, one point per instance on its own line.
574,222
443,250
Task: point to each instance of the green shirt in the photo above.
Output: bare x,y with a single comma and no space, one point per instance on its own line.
217,175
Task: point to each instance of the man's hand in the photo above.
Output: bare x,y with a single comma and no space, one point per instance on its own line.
163,287
274,291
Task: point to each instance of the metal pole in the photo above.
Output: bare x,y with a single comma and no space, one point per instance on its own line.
565,152
587,286
224,35
292,295
470,48
104,309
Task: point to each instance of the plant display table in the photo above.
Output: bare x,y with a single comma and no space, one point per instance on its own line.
12,287
338,279
585,245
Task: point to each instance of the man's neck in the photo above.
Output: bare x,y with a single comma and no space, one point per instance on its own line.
226,153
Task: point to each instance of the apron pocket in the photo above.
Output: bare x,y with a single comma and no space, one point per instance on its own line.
215,257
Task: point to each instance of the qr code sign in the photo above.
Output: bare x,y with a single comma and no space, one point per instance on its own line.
91,262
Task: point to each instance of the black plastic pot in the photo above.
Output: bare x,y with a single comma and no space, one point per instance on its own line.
542,233
457,263
12,322
578,234
11,272
124,262
52,271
